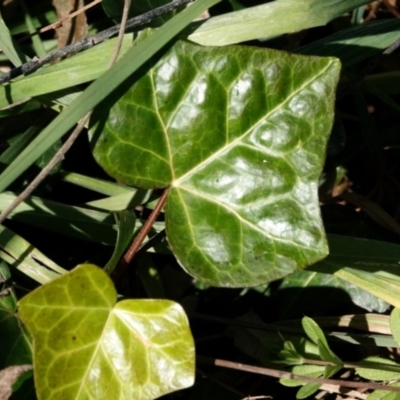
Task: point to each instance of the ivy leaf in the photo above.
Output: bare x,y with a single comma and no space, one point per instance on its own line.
239,134
86,346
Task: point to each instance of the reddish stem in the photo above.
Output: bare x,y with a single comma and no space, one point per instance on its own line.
128,256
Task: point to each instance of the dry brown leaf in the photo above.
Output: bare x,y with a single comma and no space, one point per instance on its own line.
73,29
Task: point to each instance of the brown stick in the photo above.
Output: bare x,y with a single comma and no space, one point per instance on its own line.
288,375
128,257
60,22
46,170
124,19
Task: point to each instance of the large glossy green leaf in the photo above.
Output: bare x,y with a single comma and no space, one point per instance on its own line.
239,134
270,19
88,347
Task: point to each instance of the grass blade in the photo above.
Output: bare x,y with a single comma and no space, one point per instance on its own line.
99,89
19,253
357,43
8,46
269,20
91,225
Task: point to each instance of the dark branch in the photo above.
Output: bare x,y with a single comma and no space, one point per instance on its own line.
89,42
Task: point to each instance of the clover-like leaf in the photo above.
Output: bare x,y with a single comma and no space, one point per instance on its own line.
88,347
239,135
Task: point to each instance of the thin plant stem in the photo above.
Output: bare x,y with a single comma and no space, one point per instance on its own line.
118,46
130,253
71,139
60,22
46,170
288,375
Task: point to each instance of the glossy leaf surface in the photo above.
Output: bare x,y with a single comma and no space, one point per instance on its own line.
88,347
239,134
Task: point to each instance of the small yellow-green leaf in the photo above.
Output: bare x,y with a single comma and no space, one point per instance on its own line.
86,346
307,390
313,331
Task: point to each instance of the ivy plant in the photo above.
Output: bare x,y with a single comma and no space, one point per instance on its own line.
88,346
238,134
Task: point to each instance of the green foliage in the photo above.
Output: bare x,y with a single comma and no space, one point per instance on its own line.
267,138
324,363
377,374
102,87
88,346
9,46
238,135
84,67
282,15
319,352
356,43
